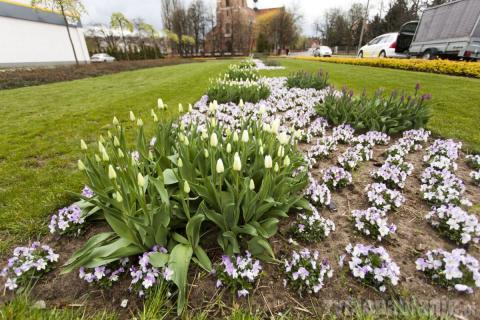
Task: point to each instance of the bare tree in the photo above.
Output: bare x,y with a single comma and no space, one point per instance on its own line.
119,21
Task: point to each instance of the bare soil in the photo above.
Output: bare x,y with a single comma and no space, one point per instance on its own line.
414,237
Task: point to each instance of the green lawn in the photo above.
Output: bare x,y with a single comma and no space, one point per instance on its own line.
41,126
455,102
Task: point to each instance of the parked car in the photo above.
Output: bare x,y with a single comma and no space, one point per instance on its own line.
102,57
450,30
322,51
382,46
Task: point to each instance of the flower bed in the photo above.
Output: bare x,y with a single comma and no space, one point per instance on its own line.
457,68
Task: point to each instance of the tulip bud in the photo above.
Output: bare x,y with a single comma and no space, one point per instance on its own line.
150,155
245,137
268,161
283,138
211,107
160,104
101,148
81,166
115,121
116,142
140,122
241,104
83,145
215,104
118,197
180,108
205,153
140,180
237,163
190,108
180,163
276,168
97,158
105,156
101,139
111,172
235,136
213,140
186,187
286,161
252,185
220,168
281,151
132,116
229,148
120,153
262,110
266,127
275,125
213,122
186,141
261,150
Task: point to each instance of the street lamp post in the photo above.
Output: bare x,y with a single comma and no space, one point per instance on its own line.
363,26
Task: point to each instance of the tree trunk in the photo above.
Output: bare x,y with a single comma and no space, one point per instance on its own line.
124,43
69,35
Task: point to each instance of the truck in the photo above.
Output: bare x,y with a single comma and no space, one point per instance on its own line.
450,30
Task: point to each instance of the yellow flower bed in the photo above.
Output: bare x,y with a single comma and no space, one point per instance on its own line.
458,68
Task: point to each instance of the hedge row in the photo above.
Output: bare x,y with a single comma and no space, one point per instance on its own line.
457,68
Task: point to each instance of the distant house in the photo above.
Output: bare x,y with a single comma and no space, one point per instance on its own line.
37,37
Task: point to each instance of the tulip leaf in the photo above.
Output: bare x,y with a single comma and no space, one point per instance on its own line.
179,262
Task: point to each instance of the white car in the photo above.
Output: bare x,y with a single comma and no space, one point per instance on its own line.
102,57
382,47
322,51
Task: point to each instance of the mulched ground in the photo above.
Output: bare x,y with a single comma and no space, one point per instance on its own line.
414,237
26,77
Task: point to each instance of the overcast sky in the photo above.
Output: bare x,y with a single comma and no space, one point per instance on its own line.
149,10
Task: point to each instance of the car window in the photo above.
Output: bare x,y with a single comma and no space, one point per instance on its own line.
377,40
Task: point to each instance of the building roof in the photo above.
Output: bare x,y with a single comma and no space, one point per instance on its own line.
268,11
23,11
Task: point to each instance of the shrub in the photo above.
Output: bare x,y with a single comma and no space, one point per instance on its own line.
306,80
271,63
226,90
456,269
391,115
459,68
168,194
473,161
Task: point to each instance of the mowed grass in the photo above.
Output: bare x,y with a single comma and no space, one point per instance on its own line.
41,128
455,100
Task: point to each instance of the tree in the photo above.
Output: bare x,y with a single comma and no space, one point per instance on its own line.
72,9
119,21
197,17
149,31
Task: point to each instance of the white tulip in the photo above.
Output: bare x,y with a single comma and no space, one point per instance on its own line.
97,158
81,165
205,153
111,172
140,122
235,136
283,138
101,139
180,108
245,137
241,104
211,107
262,110
116,142
229,148
160,104
120,153
252,185
186,187
214,140
83,145
118,197
140,180
237,163
266,127
115,121
275,125
105,156
276,168
268,161
101,148
220,168
286,161
190,108
213,122
132,116
261,150
281,151
180,163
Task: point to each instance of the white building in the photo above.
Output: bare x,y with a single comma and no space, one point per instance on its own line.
37,37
